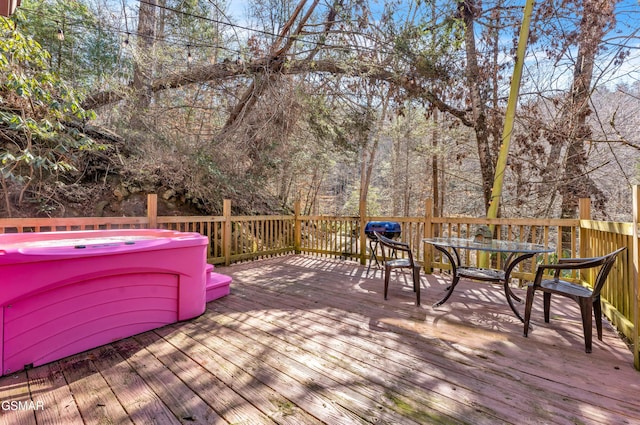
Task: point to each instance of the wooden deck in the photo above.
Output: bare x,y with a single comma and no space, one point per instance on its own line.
303,340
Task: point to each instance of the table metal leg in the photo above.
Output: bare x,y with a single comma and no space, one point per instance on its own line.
510,299
508,293
455,262
512,262
450,289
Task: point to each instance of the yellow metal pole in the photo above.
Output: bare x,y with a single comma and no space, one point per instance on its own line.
509,118
496,191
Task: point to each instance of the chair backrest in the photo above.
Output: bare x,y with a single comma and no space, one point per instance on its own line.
393,245
607,264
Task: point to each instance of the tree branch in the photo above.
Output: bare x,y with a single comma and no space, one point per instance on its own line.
225,71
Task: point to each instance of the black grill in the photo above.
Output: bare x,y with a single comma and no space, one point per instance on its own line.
389,229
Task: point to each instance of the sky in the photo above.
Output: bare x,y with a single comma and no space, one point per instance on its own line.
627,12
628,16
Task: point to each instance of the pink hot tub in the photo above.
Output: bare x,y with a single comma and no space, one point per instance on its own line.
65,292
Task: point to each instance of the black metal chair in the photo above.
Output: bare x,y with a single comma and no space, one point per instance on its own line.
587,299
397,263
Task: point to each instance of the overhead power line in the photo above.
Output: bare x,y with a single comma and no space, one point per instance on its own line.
190,43
206,18
125,33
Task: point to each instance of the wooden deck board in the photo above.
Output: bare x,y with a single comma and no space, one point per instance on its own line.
217,395
379,358
51,387
347,389
255,362
91,392
186,405
352,366
502,385
15,388
264,398
306,340
137,398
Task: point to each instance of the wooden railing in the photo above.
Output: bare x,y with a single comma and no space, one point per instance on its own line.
598,238
238,238
13,225
244,238
329,236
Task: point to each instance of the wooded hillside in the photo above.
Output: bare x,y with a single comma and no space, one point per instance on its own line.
329,103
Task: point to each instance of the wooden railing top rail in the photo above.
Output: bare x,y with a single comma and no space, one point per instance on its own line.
261,217
219,218
329,217
7,222
189,219
507,221
608,226
70,221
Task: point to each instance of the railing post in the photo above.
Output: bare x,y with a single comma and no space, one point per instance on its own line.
297,228
152,210
636,264
584,213
363,237
428,233
226,234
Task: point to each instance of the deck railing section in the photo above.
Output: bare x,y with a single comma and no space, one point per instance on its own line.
19,225
599,238
243,238
260,237
330,236
209,226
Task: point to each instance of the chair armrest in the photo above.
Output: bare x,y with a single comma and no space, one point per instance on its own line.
576,260
403,246
568,264
576,263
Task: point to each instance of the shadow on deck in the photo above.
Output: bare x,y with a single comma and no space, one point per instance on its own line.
306,340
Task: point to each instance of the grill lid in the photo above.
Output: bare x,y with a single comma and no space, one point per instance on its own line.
389,229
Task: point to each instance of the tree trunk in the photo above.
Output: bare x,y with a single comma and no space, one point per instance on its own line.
435,188
369,148
468,10
143,68
396,171
576,183
7,198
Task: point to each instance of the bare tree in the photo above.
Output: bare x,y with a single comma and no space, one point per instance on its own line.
597,17
344,44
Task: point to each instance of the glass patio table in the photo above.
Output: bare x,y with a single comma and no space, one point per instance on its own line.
518,252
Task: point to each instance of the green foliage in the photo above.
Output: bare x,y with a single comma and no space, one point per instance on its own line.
34,105
88,55
428,45
181,28
323,125
182,23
